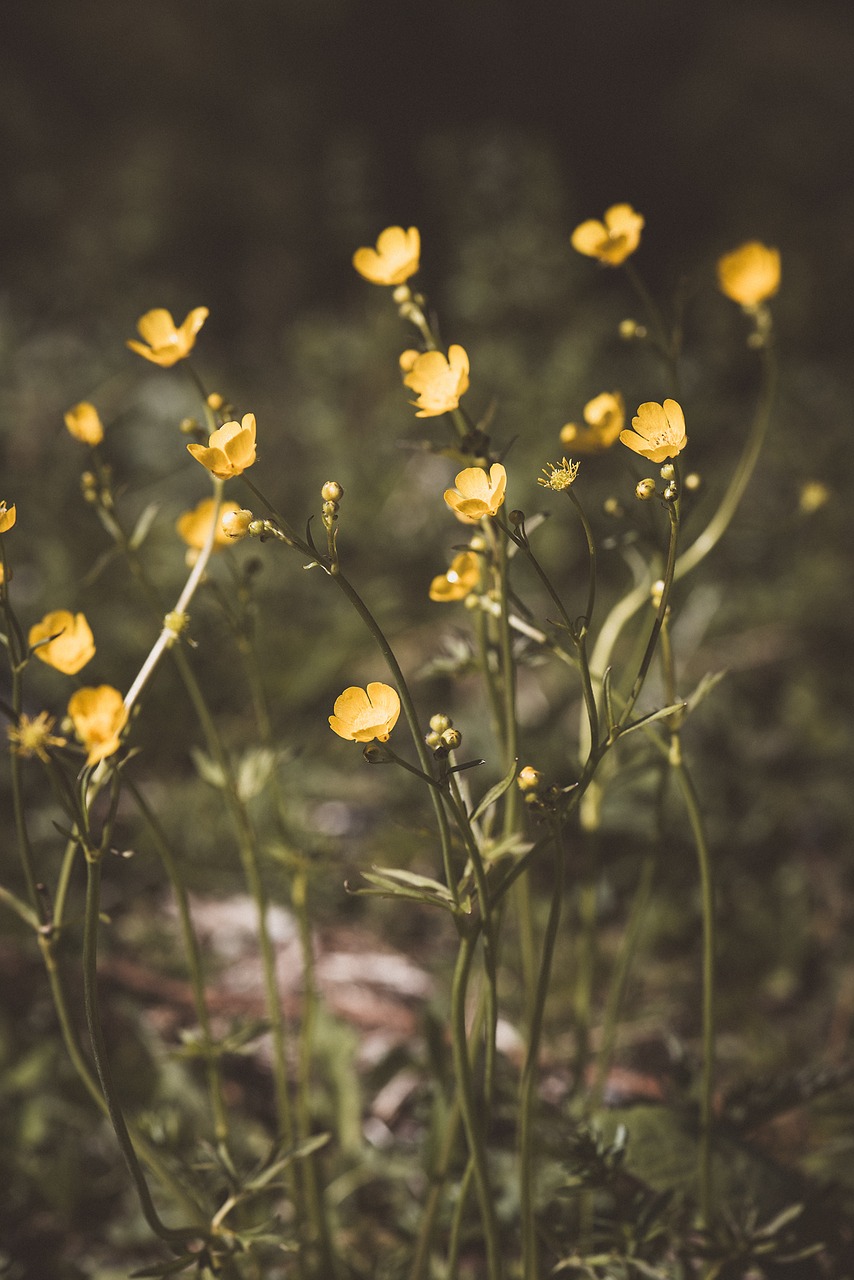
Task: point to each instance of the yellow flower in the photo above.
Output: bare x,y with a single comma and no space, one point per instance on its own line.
99,715
395,258
559,475
437,381
612,240
230,450
33,737
477,494
364,714
8,516
84,424
659,431
72,645
605,416
166,344
194,526
461,578
750,274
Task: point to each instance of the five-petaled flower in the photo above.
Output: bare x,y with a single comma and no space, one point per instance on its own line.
360,715
230,449
750,274
437,380
98,715
70,644
460,580
33,737
659,431
395,258
166,343
84,423
477,494
8,516
613,239
194,526
605,416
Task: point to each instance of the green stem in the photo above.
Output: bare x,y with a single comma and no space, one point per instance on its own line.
661,612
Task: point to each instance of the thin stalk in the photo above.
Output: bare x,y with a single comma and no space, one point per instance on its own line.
660,615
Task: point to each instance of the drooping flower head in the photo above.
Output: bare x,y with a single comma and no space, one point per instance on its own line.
194,526
750,274
395,258
33,737
477,494
84,423
230,449
166,343
613,239
98,715
461,578
659,431
605,416
360,715
72,644
8,516
437,380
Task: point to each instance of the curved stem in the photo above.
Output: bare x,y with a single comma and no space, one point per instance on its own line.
661,613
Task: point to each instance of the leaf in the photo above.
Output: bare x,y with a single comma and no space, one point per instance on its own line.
709,681
268,1175
653,715
142,527
495,793
392,883
208,770
609,703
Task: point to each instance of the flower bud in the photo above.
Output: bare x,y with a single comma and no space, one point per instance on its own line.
402,293
516,518
668,471
656,591
451,739
613,507
236,524
671,493
692,481
645,489
529,779
439,723
332,491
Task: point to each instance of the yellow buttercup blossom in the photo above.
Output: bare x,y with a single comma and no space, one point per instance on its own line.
8,516
439,381
33,737
98,715
462,577
84,423
166,343
194,526
605,416
559,475
395,258
361,715
230,449
477,494
72,644
659,431
750,274
613,239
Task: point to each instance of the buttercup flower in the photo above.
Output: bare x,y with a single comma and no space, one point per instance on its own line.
611,240
462,577
605,416
437,381
477,494
194,526
750,274
364,714
8,516
659,431
33,737
559,475
99,715
166,344
230,449
84,423
395,258
72,645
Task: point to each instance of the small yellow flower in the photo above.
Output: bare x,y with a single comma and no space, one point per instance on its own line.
84,423
194,526
529,779
364,714
99,715
438,381
605,416
461,578
8,516
750,274
230,449
395,258
477,494
659,431
559,475
166,344
72,645
612,240
33,737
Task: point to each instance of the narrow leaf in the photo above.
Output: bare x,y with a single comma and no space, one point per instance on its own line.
495,793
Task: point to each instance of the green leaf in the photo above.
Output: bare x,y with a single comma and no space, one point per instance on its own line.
661,714
495,793
392,883
143,526
709,681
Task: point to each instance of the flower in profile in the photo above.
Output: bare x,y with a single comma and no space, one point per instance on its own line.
98,715
605,416
8,516
477,494
437,380
559,475
462,577
69,641
230,449
33,737
613,239
360,715
194,526
84,423
749,274
395,258
166,343
659,431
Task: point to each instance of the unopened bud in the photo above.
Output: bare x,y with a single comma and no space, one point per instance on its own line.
332,491
451,739
692,481
645,489
439,723
671,493
215,401
236,524
656,591
612,507
516,518
529,779
402,294
668,471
